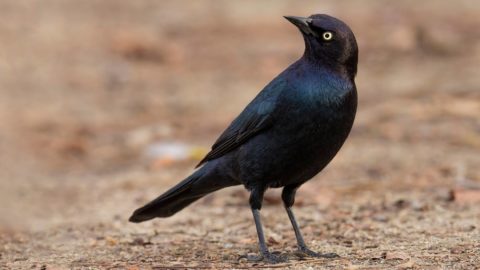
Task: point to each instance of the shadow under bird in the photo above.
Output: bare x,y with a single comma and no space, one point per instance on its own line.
286,135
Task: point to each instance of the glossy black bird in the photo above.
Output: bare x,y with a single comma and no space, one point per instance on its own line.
286,135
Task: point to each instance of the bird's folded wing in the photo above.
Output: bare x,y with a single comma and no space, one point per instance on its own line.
255,118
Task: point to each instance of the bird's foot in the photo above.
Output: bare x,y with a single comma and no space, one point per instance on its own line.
308,252
267,257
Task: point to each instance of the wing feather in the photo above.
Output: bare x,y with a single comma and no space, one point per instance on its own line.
257,117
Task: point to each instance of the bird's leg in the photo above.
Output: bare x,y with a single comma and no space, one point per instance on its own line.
256,198
288,197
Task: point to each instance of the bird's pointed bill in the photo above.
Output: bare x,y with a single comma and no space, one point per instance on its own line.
302,23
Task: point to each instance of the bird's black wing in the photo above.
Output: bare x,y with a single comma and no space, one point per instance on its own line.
256,117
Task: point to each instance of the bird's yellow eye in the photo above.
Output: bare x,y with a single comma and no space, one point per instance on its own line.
327,36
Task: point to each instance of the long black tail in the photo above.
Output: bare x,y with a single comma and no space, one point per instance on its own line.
194,187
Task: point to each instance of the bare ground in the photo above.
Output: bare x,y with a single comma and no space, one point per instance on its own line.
86,87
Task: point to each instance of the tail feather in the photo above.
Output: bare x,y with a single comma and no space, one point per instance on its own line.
180,196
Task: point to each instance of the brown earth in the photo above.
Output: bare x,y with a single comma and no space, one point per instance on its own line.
87,87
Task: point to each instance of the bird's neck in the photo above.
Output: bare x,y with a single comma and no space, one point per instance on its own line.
325,65
346,68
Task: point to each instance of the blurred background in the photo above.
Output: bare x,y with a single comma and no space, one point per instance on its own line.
105,104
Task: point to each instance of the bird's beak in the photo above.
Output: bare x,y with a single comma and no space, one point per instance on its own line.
302,23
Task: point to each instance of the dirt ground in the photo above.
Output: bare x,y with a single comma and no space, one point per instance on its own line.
88,89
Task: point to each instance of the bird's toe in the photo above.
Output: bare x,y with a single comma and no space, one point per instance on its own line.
311,253
251,258
275,258
266,257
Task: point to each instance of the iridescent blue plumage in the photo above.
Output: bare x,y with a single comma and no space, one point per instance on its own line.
286,135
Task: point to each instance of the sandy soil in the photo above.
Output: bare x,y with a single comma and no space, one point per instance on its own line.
87,87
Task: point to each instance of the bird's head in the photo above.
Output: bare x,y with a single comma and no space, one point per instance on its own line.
328,41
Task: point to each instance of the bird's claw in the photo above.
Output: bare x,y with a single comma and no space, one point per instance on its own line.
308,252
266,257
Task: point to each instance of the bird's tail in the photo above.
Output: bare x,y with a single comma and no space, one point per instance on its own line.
194,187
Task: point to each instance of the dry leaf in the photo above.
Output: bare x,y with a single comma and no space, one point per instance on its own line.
467,196
111,241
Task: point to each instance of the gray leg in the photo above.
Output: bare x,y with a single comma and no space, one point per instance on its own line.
288,196
256,198
261,237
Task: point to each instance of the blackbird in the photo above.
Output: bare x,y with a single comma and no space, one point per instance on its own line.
285,136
